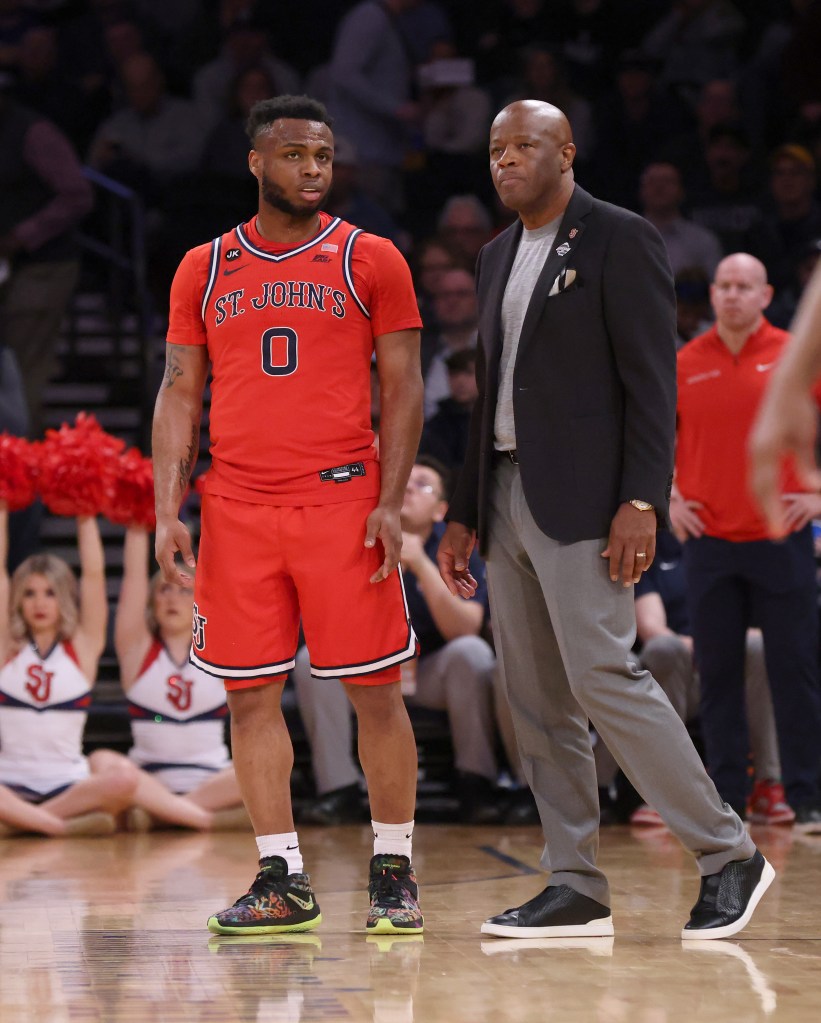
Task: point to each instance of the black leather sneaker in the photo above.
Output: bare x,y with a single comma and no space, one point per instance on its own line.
728,899
557,912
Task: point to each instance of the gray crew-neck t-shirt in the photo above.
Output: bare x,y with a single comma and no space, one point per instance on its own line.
534,248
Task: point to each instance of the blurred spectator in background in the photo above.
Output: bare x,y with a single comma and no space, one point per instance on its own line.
245,45
793,212
785,304
16,18
688,244
697,41
42,85
632,123
466,224
43,197
225,153
371,98
693,311
349,201
429,260
716,106
542,75
154,139
445,436
727,198
457,318
455,119
425,24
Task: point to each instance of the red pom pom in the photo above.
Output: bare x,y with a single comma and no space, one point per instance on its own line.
77,466
18,471
129,500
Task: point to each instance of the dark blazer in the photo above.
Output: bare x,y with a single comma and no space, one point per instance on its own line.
594,384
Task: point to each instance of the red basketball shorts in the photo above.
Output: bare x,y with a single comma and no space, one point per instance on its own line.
262,566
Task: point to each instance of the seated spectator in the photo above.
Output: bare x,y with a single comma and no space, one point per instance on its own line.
785,304
794,213
429,259
225,154
457,316
154,140
371,94
466,223
726,200
663,629
693,312
43,86
717,105
697,41
245,45
543,76
632,123
454,672
445,436
178,712
349,201
688,245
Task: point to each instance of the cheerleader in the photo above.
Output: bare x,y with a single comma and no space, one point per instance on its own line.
52,633
178,712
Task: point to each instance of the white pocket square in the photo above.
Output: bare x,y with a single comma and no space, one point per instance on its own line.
563,281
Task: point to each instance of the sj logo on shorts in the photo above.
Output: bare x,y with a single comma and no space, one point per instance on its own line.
198,630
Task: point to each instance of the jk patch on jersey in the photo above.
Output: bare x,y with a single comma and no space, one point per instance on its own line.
342,473
232,254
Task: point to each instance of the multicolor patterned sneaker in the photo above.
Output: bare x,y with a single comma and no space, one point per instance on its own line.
394,897
276,902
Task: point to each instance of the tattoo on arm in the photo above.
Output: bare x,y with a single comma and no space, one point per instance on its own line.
173,369
187,463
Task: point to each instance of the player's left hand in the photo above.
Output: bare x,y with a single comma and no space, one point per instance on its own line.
631,545
383,524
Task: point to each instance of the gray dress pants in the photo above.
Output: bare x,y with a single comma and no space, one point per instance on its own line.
563,634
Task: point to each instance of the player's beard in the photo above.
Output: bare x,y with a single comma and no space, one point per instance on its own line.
274,196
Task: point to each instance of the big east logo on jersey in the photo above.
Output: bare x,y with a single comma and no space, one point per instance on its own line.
39,682
179,691
278,294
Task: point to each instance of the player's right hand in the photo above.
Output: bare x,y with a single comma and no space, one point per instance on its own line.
453,557
172,536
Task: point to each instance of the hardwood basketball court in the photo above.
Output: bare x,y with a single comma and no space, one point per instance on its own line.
113,929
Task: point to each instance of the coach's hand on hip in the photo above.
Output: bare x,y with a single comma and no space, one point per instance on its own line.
453,557
631,545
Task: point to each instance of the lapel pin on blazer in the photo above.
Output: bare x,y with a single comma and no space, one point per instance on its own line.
563,249
563,281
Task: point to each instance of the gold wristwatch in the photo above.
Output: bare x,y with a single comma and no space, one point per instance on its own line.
641,505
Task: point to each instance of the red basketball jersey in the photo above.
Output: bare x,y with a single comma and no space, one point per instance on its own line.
290,334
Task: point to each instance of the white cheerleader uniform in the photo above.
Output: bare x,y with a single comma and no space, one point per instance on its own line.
44,705
178,721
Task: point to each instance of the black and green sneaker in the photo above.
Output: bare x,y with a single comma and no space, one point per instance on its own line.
394,897
275,903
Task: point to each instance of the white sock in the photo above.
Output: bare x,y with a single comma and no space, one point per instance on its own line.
393,839
285,845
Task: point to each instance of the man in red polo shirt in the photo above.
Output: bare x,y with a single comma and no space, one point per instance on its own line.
736,575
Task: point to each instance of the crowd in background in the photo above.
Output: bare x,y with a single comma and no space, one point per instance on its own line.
702,115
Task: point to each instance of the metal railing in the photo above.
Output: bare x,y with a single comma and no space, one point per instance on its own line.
119,247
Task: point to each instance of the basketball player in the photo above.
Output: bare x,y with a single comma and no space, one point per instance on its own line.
298,517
